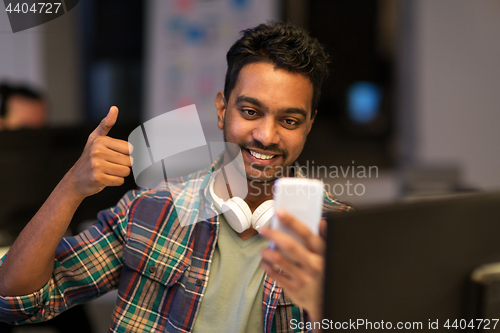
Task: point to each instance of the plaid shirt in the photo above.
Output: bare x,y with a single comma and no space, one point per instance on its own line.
157,258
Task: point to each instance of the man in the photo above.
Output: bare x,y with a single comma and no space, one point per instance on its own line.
171,275
21,107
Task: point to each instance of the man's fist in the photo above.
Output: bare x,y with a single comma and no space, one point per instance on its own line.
104,162
298,268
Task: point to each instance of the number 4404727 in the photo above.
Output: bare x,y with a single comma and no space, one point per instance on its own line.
485,324
37,8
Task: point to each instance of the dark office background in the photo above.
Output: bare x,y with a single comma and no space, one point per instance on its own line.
361,70
111,72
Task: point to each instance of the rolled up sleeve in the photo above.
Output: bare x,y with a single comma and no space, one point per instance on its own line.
23,309
86,266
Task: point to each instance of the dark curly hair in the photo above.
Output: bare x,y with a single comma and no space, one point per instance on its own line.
284,45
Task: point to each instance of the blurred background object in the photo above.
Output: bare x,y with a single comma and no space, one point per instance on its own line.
21,107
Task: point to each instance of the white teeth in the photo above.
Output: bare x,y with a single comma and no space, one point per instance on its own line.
261,156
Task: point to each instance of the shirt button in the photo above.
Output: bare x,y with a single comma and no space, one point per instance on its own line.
199,282
152,269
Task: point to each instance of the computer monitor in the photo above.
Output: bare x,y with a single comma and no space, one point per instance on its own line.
411,263
32,162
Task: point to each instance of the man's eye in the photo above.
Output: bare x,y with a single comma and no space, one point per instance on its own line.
249,112
290,122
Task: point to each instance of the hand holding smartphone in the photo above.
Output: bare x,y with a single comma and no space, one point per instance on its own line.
302,198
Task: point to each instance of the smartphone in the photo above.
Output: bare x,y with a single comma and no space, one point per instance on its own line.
302,198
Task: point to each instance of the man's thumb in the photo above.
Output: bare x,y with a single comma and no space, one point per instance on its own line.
106,123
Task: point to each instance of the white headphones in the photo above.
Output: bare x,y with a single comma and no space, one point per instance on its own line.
238,214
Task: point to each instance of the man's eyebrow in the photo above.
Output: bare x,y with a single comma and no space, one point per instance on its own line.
300,111
251,100
257,103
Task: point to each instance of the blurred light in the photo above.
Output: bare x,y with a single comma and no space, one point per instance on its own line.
176,24
241,4
363,102
195,34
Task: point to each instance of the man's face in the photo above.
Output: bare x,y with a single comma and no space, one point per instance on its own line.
25,112
268,115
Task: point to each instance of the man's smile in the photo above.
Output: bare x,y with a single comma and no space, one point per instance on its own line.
260,156
260,159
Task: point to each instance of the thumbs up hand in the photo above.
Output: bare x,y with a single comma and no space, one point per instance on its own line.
104,162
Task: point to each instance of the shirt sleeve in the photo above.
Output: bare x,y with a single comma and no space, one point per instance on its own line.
86,267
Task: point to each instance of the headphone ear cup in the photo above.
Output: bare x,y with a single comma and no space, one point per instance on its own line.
237,213
263,214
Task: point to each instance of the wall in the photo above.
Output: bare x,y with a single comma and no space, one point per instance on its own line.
186,46
20,59
450,79
45,57
62,69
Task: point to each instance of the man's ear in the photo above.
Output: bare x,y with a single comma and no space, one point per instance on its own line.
220,103
311,121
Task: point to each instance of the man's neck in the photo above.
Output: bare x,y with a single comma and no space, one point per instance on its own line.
231,182
256,195
256,192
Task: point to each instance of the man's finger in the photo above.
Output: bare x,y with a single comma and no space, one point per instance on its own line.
294,250
299,228
323,229
113,169
310,240
277,259
106,123
117,158
283,280
293,224
117,145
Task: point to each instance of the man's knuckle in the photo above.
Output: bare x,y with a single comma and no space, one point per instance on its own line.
312,239
316,270
95,152
294,287
96,177
277,258
317,267
100,140
95,164
287,247
304,280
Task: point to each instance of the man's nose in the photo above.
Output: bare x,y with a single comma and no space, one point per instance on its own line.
267,132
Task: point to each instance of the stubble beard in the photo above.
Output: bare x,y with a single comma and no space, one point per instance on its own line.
265,174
